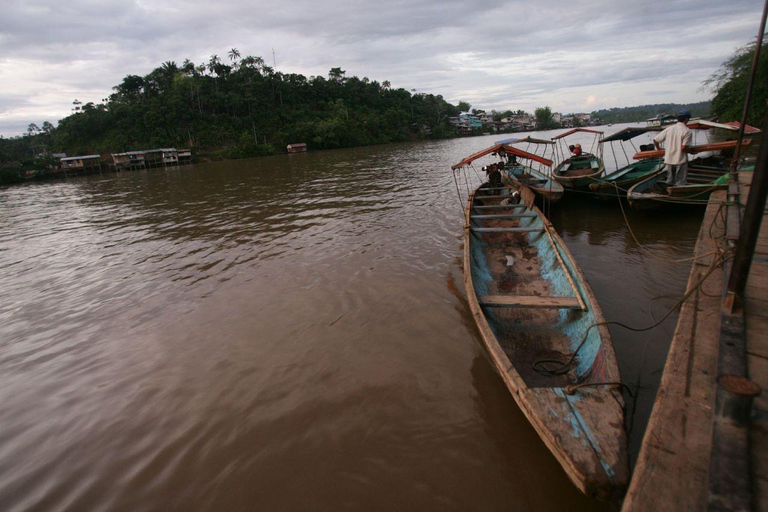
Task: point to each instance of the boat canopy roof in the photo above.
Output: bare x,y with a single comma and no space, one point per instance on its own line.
502,148
528,139
702,124
630,133
571,132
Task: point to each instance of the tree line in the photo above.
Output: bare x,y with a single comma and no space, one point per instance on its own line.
243,107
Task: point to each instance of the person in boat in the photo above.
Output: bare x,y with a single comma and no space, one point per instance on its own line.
494,177
676,139
576,149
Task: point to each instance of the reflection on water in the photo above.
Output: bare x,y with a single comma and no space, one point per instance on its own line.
284,333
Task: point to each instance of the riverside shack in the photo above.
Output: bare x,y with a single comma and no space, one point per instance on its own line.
81,164
298,147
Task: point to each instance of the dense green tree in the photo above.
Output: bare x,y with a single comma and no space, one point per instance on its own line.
246,110
544,118
729,83
643,112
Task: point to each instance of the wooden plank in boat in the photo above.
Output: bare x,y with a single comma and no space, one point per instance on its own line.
497,196
503,216
528,301
506,230
715,146
686,190
495,206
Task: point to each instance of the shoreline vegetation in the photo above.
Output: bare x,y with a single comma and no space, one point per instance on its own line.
245,108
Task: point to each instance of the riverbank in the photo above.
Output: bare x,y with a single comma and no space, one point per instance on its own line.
706,444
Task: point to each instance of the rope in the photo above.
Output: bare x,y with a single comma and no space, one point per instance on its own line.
571,390
544,366
642,248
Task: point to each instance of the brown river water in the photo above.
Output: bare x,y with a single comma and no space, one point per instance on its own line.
287,333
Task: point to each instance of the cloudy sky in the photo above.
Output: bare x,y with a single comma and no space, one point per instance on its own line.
574,55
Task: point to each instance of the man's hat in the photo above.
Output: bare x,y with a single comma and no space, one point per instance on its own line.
684,113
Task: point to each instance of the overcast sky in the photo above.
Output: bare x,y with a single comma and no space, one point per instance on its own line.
517,54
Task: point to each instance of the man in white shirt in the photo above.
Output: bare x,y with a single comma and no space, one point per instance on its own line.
677,138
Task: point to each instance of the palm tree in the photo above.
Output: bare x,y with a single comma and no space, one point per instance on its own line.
170,67
234,54
213,62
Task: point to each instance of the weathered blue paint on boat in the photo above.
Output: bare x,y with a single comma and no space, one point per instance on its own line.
583,427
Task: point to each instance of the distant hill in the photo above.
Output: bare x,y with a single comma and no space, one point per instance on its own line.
643,112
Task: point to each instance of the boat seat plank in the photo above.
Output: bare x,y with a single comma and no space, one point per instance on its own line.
504,216
495,206
528,301
506,230
497,196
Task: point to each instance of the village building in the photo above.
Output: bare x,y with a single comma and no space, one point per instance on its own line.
296,147
81,164
185,156
170,156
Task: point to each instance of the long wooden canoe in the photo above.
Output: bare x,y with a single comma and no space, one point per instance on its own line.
532,303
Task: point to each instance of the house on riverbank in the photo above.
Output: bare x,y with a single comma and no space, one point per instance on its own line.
81,164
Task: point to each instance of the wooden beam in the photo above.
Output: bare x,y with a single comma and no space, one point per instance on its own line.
506,230
511,206
528,301
504,216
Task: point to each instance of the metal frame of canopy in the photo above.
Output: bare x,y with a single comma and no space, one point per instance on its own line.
499,148
626,135
546,145
560,141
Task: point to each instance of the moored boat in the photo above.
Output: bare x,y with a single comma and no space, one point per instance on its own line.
542,185
543,328
653,193
578,171
518,174
620,180
705,175
540,182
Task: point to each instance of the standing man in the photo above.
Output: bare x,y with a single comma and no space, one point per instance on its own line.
677,138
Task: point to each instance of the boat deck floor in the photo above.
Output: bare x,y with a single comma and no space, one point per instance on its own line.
525,334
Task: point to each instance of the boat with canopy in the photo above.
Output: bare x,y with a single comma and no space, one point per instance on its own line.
519,174
705,175
576,172
620,180
537,178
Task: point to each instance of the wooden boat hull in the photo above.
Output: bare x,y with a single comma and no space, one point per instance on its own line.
621,180
650,194
541,307
578,172
544,187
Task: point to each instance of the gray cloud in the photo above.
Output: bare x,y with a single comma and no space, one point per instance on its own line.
493,53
